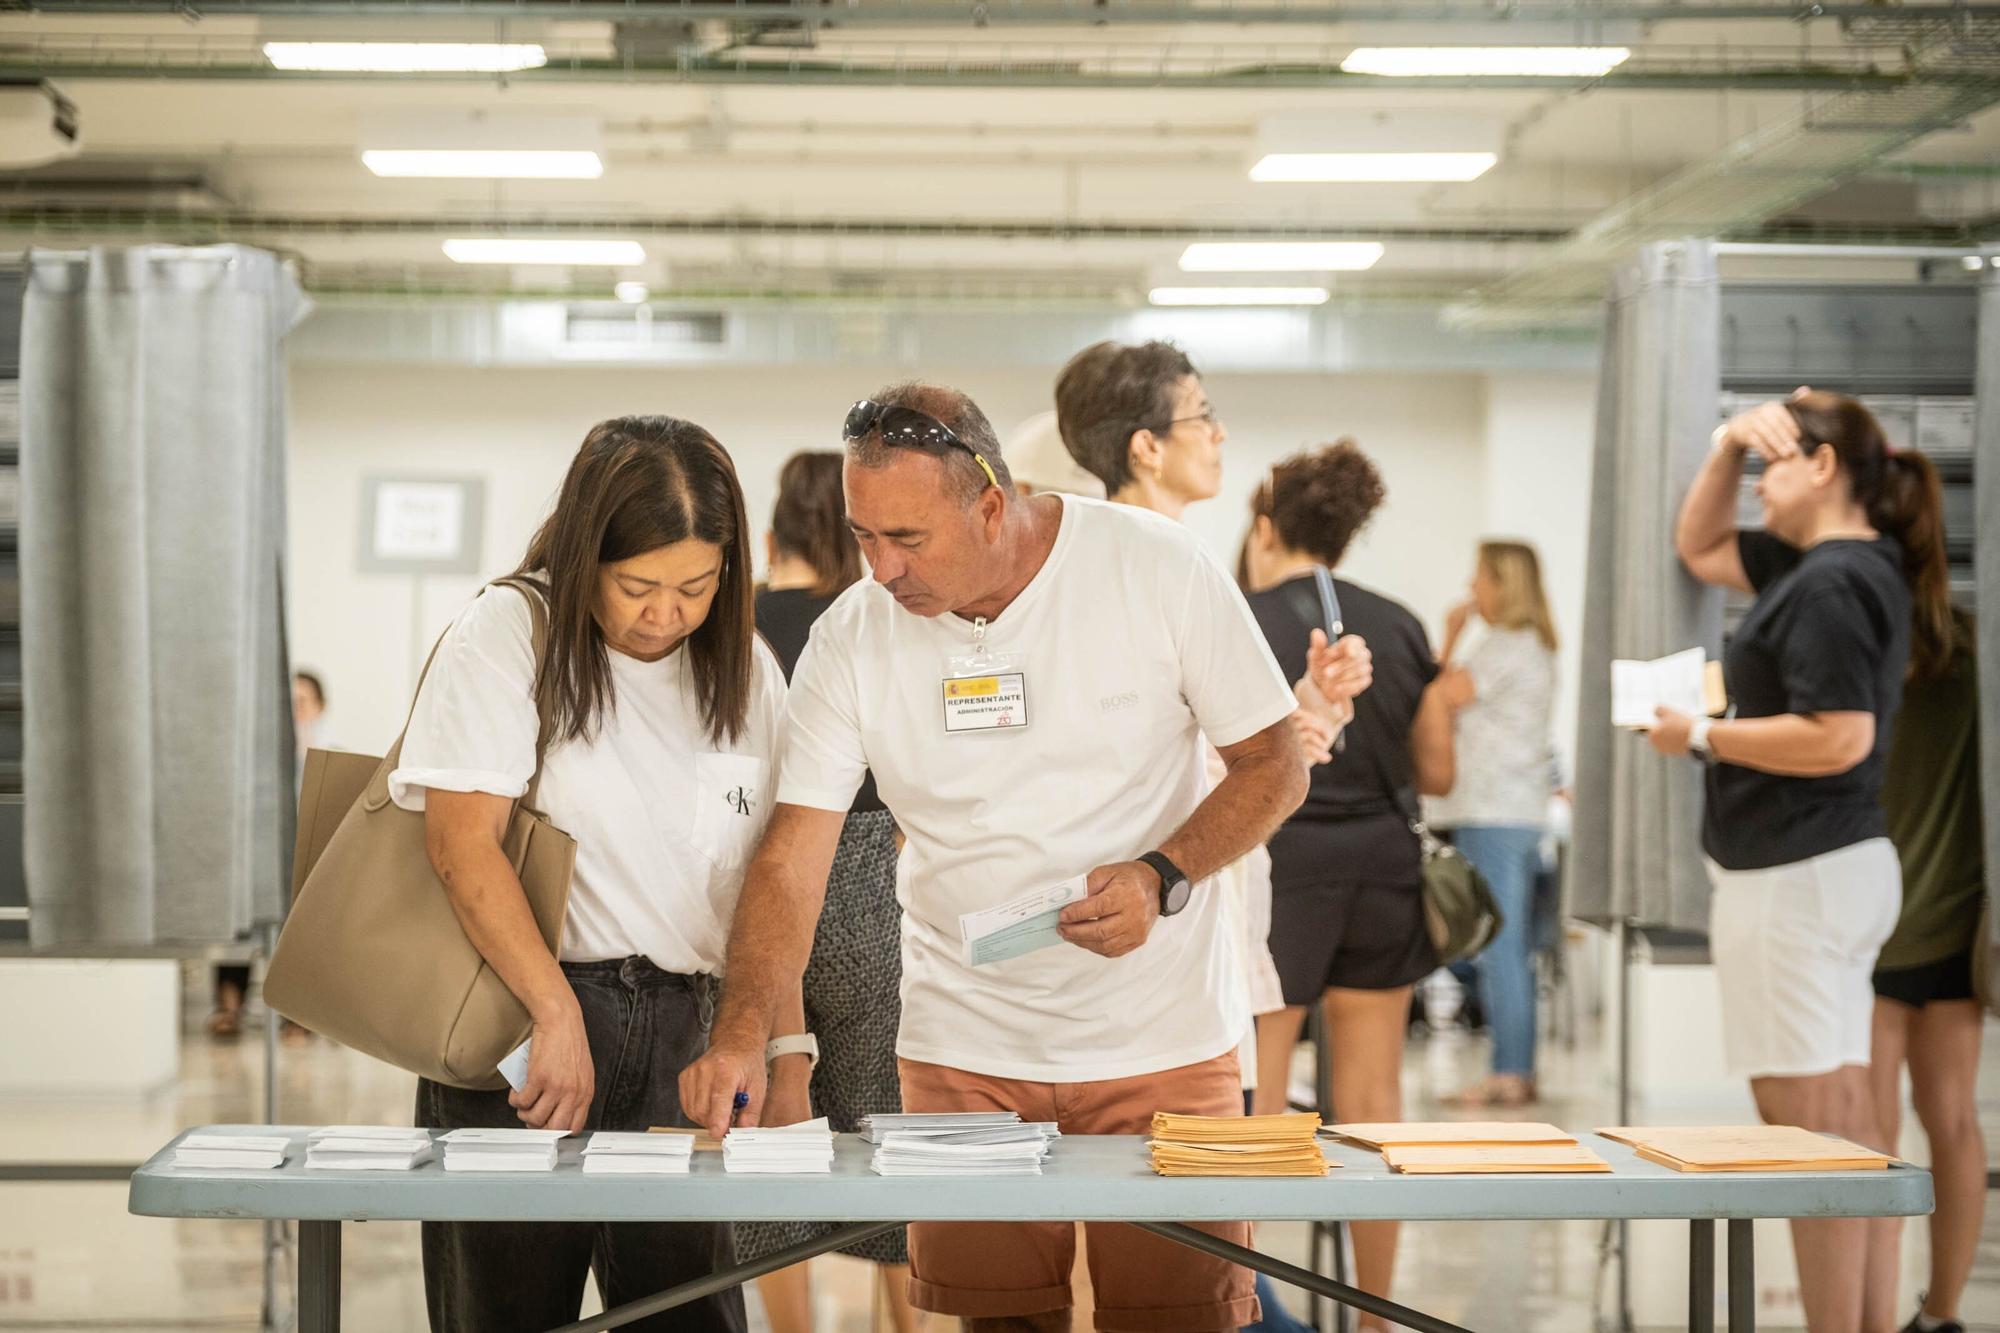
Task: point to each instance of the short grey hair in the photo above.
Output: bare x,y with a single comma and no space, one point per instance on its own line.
965,479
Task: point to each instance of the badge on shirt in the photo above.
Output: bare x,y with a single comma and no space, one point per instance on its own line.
997,701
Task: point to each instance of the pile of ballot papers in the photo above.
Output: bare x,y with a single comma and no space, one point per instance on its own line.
803,1149
975,1143
612,1154
1747,1148
1255,1145
367,1148
235,1152
502,1149
1474,1148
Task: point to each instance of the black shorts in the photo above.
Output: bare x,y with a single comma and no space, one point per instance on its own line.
1355,935
1928,983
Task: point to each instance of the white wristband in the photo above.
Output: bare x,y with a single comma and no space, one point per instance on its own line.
798,1043
1698,738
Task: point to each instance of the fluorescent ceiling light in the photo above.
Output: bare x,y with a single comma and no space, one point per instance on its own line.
506,250
631,293
1417,62
494,163
1279,256
1238,296
406,57
1372,167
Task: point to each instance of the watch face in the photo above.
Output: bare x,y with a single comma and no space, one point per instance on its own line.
1177,896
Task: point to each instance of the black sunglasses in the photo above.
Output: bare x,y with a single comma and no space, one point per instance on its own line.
907,428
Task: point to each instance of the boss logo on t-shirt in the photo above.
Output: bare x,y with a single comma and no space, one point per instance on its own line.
1111,703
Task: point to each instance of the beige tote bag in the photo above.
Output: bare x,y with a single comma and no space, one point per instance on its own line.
372,954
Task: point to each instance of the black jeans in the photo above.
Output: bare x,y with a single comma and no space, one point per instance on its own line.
644,1027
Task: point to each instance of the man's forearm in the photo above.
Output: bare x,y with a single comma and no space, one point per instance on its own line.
769,944
1245,809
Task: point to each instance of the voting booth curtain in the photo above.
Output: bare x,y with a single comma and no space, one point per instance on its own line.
158,744
1637,850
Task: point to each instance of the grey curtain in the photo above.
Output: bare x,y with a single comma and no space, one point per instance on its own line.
1637,854
158,764
1986,575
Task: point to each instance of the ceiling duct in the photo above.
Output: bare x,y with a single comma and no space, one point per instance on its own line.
1762,175
38,125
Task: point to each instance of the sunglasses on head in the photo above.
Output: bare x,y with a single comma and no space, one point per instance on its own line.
907,428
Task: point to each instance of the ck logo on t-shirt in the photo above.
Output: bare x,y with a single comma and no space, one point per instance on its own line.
741,801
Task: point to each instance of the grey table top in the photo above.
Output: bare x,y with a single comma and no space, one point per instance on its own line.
1085,1179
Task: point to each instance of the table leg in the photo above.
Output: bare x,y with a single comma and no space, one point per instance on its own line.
1400,1315
1701,1275
851,1234
319,1277
1742,1275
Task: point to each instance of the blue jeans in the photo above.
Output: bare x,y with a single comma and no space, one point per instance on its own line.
1510,857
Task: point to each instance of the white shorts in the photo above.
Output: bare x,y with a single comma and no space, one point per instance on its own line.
1794,949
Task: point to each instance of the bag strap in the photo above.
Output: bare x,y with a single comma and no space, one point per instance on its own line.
536,597
1302,599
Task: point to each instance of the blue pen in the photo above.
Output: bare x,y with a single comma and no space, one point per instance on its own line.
736,1109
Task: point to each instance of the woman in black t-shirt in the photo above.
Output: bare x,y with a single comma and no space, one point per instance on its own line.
1807,885
852,984
1347,917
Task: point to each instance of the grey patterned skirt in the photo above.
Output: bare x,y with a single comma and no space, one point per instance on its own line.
853,1001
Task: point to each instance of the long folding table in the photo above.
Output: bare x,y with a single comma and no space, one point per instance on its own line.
1085,1179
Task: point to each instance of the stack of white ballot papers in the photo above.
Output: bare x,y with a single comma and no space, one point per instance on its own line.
1009,1150
616,1154
367,1148
875,1127
803,1149
241,1152
501,1149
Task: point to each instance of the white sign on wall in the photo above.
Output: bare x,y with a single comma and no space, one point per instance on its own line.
421,525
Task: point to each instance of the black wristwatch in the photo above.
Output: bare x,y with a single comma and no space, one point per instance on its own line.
1174,887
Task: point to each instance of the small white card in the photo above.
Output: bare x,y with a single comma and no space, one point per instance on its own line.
514,1068
1019,927
986,703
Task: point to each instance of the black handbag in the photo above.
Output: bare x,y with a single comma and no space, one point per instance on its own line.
1460,910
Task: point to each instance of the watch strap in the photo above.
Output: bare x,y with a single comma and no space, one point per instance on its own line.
796,1043
1169,873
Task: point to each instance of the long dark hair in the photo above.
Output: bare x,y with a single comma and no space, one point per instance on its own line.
1900,490
810,520
636,485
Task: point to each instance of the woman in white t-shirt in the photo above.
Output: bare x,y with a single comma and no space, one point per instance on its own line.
1501,689
662,713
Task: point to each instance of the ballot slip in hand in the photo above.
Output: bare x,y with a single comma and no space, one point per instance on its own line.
1686,682
1022,926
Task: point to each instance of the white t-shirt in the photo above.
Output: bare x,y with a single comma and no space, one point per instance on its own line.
1502,736
664,819
1135,644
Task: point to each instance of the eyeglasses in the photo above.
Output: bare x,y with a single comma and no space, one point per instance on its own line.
907,428
1206,414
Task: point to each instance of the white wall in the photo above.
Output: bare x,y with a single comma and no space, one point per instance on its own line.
1537,481
1432,434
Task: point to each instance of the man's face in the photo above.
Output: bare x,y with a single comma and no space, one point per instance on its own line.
925,545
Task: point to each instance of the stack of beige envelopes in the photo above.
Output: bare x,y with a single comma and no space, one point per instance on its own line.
1747,1148
1255,1145
1484,1148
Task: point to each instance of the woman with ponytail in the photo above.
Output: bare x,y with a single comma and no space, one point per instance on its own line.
1807,883
1927,1011
852,984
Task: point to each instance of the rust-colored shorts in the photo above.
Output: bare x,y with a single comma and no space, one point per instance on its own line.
1143,1284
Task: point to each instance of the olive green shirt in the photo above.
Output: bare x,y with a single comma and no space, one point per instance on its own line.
1931,795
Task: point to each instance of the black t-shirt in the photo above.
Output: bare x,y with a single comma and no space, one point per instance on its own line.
1829,633
785,618
1350,822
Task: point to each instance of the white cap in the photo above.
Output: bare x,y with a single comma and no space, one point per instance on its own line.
1039,460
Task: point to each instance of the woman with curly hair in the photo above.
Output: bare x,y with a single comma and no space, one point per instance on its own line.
1347,919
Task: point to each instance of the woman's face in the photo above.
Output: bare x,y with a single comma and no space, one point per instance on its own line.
647,605
1485,593
1792,488
1190,460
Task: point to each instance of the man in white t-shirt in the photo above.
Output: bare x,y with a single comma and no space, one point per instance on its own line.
1029,679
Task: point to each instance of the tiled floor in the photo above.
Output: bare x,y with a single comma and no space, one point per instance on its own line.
70,1257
